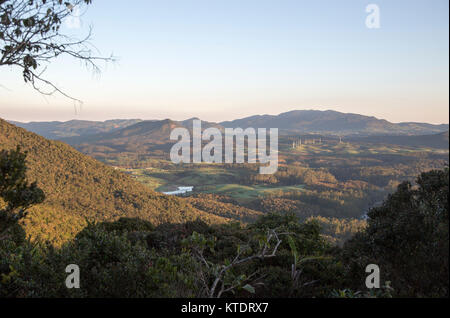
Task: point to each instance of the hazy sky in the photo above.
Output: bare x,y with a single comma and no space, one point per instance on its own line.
221,60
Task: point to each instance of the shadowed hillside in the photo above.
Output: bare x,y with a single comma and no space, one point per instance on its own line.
144,132
333,122
431,141
57,130
139,139
78,187
140,133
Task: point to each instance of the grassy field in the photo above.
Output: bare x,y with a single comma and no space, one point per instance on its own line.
207,179
243,193
170,179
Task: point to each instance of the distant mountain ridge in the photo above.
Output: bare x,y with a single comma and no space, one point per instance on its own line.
327,122
333,122
56,129
151,130
141,138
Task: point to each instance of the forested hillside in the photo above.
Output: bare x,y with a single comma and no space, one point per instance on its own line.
333,122
78,187
57,129
276,256
434,141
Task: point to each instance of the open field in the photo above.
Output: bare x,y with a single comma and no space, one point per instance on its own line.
161,179
243,193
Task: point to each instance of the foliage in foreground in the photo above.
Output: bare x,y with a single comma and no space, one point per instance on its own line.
16,192
277,256
132,258
407,236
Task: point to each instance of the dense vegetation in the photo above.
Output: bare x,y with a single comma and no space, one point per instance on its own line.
78,187
276,256
346,195
408,237
329,179
132,242
322,176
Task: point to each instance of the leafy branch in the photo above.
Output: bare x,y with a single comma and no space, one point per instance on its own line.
31,37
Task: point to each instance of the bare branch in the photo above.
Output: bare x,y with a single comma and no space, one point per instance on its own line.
267,250
31,37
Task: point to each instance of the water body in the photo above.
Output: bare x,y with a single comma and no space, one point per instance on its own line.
181,190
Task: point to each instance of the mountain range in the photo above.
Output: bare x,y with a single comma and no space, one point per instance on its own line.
141,138
333,122
57,129
294,122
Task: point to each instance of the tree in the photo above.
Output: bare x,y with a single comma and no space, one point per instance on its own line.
223,278
31,37
15,190
275,252
408,238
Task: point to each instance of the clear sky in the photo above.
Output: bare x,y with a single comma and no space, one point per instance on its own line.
221,60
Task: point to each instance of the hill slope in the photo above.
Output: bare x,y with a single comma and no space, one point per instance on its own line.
157,131
57,130
430,141
141,138
332,122
79,187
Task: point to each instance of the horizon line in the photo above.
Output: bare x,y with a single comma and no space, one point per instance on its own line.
217,122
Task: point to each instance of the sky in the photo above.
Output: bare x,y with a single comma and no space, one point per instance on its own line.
227,59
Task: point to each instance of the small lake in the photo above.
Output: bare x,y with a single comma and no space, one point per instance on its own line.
181,190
